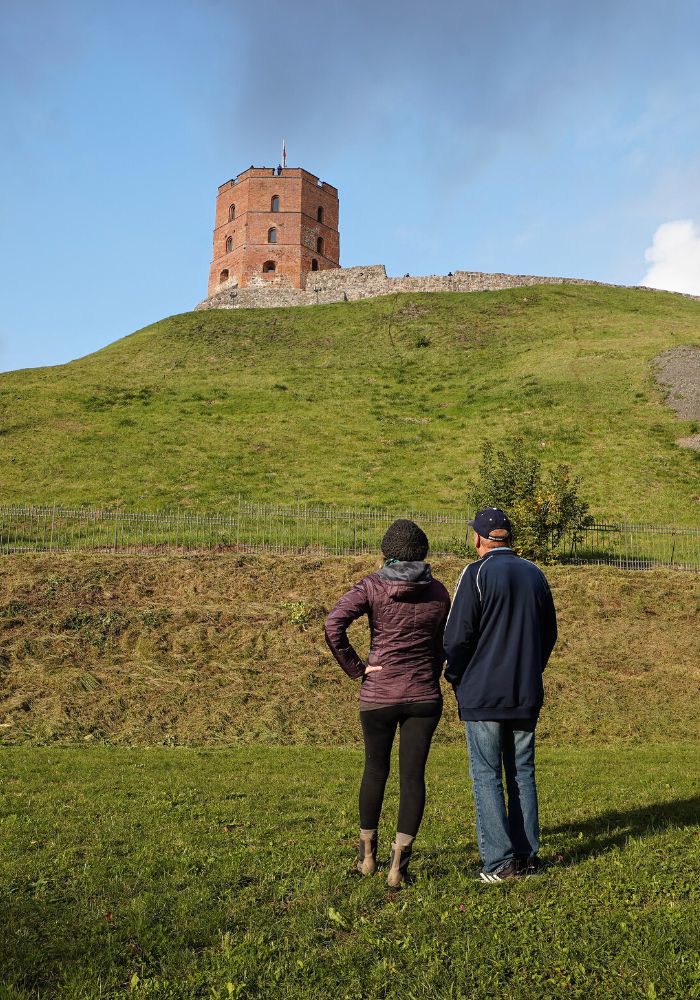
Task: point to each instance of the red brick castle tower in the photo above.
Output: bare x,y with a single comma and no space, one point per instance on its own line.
273,226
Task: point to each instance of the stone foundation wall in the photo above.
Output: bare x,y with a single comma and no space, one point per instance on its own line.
349,284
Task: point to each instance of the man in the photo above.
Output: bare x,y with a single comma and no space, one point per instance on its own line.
498,638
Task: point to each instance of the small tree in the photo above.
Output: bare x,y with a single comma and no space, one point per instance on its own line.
541,505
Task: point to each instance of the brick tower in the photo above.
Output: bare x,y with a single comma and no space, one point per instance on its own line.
273,226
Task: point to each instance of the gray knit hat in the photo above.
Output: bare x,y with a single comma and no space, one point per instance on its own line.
405,541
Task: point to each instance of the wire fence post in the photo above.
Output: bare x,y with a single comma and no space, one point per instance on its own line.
53,522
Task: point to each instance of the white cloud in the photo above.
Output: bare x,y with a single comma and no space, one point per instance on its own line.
674,258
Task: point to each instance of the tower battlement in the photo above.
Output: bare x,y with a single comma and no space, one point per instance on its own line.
272,171
273,226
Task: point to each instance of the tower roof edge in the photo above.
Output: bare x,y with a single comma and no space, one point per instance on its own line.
276,172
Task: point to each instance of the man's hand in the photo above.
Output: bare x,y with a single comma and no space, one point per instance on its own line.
372,669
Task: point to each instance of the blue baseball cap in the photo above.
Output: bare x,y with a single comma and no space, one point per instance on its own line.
491,519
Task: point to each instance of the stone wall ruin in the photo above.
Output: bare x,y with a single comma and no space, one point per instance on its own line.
350,284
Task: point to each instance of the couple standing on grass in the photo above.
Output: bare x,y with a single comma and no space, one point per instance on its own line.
496,638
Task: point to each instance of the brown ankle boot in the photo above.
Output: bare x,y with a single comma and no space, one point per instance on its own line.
367,861
398,865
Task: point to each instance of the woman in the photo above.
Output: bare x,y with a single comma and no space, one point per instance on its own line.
407,610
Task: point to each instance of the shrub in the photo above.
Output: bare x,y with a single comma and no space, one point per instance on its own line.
297,612
542,505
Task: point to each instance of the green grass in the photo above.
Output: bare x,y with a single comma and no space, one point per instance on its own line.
214,650
346,403
200,872
181,874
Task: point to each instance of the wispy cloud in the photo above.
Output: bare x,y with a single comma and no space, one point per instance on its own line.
463,81
674,258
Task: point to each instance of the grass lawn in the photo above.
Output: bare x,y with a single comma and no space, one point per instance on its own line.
225,873
380,402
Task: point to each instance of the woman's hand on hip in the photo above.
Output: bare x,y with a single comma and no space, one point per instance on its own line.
372,669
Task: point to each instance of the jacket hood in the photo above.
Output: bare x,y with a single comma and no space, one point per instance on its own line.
405,578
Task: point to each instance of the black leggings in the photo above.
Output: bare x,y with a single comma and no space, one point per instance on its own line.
417,721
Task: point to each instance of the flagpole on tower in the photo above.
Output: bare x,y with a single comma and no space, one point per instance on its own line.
284,153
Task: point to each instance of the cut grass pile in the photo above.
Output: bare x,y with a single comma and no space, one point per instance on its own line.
183,874
220,650
385,401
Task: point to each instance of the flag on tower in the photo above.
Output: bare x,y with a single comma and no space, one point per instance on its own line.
284,153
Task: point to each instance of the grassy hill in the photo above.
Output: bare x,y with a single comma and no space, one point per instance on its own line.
220,869
386,401
220,650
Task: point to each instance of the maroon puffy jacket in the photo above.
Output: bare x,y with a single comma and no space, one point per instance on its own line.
407,610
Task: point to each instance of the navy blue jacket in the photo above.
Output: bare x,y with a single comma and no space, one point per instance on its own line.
498,637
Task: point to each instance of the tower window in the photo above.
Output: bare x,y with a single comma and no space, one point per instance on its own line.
319,244
231,213
229,244
268,266
319,214
223,276
272,235
275,204
314,265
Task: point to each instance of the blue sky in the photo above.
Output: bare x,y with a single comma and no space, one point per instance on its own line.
546,138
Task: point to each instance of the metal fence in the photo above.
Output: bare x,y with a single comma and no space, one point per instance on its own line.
314,530
634,546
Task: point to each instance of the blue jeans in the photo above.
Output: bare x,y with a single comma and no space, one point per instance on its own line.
508,744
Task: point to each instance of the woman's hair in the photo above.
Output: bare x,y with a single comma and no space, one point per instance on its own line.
405,541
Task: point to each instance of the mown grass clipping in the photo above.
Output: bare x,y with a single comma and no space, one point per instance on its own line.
224,650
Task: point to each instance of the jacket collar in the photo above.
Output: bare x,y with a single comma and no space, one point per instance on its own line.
500,548
407,572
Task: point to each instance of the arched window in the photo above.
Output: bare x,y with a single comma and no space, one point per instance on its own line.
223,276
268,266
275,203
314,265
319,245
231,213
319,214
272,235
229,244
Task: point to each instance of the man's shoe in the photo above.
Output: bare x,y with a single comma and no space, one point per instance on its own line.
506,872
367,860
529,866
398,866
